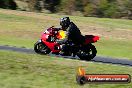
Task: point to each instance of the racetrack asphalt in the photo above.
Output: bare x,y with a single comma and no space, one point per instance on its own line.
100,59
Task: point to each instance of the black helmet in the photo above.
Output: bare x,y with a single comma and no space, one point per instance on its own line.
65,22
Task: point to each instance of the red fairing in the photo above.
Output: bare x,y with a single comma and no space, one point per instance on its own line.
96,38
91,39
51,46
44,36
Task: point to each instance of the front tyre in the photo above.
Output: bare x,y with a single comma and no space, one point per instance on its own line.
41,48
88,53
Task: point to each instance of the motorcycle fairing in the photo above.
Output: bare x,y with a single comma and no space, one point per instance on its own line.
91,39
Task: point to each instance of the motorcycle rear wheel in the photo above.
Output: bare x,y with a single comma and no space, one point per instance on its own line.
41,48
87,54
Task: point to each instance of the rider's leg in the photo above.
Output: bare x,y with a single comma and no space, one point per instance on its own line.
65,50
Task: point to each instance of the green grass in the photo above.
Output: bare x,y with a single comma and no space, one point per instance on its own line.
24,31
14,17
19,70
17,41
115,48
107,23
14,22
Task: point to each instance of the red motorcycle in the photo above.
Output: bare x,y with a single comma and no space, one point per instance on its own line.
47,44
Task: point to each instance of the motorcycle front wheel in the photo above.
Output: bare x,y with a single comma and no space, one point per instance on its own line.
41,48
88,53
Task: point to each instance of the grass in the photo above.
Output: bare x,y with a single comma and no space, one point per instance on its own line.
14,17
109,23
100,22
23,29
19,70
115,47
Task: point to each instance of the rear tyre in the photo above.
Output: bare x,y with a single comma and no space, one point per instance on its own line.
88,53
41,48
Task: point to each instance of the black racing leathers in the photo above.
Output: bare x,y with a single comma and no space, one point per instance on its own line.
73,35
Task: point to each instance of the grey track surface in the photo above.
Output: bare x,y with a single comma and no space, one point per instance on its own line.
96,59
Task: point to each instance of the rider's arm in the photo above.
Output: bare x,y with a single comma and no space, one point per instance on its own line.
63,41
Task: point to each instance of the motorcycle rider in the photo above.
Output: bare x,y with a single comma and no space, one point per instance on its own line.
73,35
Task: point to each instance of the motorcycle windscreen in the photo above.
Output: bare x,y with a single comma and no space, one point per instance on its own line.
62,34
